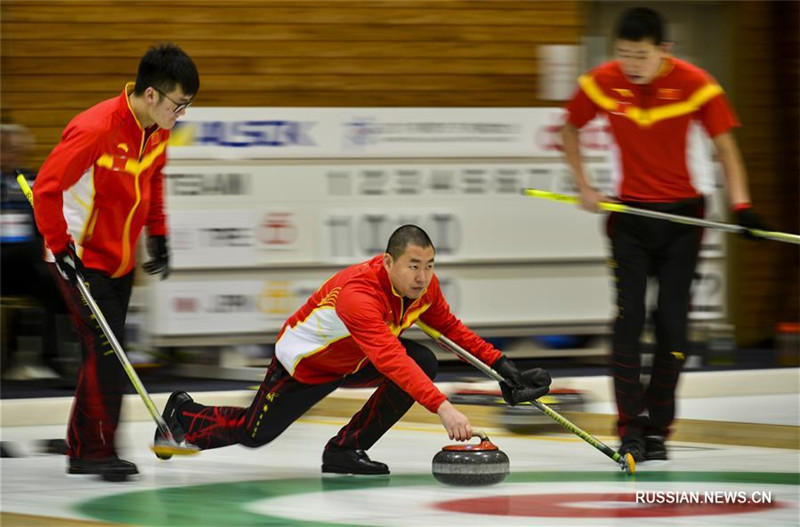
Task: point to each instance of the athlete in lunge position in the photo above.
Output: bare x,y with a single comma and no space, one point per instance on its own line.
95,192
650,99
348,335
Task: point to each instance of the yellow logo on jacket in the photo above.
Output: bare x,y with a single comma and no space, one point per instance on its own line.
130,165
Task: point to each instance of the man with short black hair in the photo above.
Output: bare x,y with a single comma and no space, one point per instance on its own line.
651,100
96,191
348,334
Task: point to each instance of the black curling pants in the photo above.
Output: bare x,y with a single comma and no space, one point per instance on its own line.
101,379
281,400
668,251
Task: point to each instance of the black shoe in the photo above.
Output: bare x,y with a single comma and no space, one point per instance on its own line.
633,446
170,415
55,446
654,448
355,462
109,468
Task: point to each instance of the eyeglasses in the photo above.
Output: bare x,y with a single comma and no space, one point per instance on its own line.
179,106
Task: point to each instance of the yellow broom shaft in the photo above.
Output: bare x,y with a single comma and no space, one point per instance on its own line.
619,207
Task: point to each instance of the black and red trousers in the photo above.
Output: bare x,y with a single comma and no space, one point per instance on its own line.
101,379
644,249
281,400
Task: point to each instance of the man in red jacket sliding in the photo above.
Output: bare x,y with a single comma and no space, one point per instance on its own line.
94,193
348,335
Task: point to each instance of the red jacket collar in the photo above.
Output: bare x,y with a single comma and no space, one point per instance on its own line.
383,277
124,106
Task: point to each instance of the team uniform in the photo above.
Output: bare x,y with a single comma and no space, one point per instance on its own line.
651,125
346,335
99,187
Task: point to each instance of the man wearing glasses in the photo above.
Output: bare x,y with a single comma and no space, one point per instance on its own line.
94,193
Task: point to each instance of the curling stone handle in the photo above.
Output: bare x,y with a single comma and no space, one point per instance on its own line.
481,434
485,441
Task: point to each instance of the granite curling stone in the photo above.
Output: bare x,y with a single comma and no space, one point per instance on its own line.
471,465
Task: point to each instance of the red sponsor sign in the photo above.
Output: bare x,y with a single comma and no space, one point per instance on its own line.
277,229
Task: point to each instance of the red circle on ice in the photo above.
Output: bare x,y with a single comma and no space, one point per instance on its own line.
591,505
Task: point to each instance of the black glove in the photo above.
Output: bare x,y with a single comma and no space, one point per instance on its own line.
159,256
749,220
521,387
69,265
535,384
508,370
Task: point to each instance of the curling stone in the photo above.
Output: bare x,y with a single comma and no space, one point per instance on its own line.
471,465
526,418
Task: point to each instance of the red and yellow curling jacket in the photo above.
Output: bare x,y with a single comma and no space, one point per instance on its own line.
354,319
651,125
101,185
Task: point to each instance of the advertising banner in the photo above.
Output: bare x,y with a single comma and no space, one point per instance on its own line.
267,203
261,301
266,133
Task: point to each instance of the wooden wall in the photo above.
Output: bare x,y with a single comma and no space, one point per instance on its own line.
764,275
60,57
